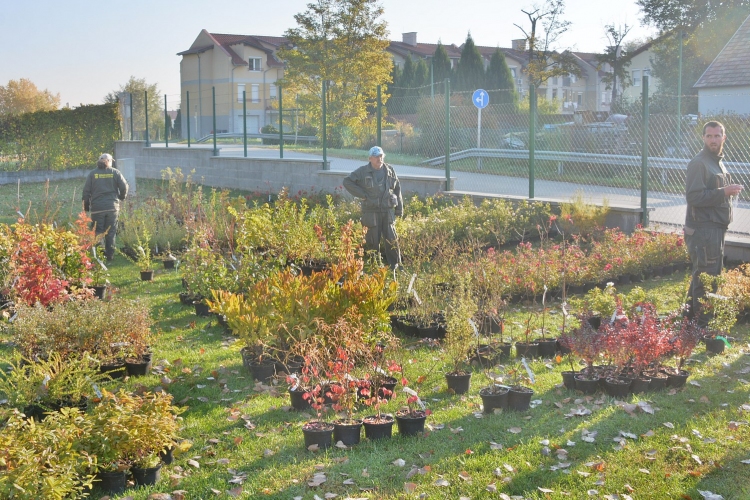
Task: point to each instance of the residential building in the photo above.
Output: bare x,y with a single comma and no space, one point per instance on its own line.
515,58
640,66
409,47
724,88
229,64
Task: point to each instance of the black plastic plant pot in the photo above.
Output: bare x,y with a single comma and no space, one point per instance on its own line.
112,482
524,350
713,345
113,370
297,398
99,291
318,433
378,428
547,348
138,368
169,263
411,425
147,275
640,385
586,385
201,308
519,398
458,383
617,388
347,432
496,399
569,379
677,380
147,476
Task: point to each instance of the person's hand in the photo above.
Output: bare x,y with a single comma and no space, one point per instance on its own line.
732,189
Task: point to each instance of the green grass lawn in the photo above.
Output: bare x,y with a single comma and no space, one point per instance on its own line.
248,444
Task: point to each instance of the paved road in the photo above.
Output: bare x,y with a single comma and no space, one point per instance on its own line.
666,208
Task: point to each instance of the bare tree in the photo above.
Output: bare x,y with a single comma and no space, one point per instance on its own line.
546,28
616,57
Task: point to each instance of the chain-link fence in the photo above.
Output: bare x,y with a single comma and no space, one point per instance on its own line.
576,152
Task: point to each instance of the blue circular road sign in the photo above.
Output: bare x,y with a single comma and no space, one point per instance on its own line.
480,98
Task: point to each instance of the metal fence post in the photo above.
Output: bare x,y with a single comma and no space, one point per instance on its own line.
532,137
644,156
213,105
244,121
166,122
281,125
679,100
131,115
187,107
145,108
379,115
447,134
325,157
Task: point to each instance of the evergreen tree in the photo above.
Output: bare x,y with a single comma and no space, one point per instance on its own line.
177,125
407,75
421,75
441,65
499,77
470,73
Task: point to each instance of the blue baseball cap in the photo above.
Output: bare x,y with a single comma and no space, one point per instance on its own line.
376,151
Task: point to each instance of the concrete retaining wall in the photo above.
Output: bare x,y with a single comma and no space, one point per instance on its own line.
266,175
41,175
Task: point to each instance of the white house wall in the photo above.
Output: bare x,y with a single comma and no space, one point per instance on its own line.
724,101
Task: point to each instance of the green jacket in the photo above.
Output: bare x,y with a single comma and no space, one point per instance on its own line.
706,204
361,184
104,189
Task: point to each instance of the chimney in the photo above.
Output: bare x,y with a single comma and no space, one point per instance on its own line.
409,38
519,44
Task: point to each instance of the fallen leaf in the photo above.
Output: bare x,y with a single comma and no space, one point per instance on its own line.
194,463
400,462
695,383
465,476
441,482
545,490
515,430
410,487
697,459
709,495
668,425
495,446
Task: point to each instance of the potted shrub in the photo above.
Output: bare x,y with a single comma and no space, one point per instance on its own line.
46,459
460,331
169,259
721,311
527,348
585,342
547,347
40,387
495,395
141,255
104,329
685,337
519,395
344,391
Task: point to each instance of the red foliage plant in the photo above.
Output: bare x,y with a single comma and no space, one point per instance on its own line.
36,280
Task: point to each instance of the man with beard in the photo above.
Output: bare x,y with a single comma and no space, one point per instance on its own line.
709,191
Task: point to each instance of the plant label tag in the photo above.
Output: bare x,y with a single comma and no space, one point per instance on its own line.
20,214
474,327
46,380
564,308
416,297
528,370
544,295
156,249
380,371
96,388
295,381
411,283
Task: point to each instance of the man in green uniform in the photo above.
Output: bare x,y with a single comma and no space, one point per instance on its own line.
709,191
377,185
105,188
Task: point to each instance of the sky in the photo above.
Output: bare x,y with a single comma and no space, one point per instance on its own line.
84,49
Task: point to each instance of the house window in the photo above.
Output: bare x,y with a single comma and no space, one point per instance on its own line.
254,64
554,80
572,78
513,72
240,91
255,92
636,78
272,90
554,94
580,99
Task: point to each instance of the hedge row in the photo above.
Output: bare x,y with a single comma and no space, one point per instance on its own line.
58,140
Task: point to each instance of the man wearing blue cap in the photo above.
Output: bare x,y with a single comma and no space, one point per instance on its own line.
377,185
